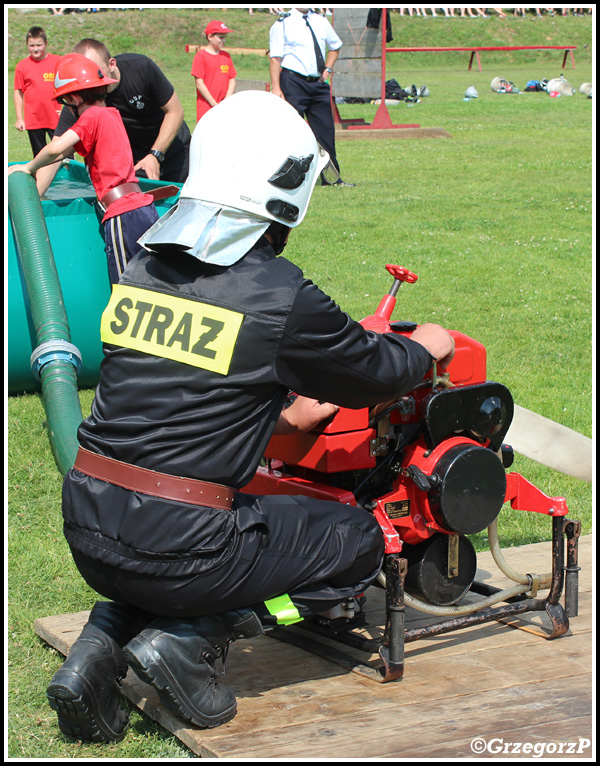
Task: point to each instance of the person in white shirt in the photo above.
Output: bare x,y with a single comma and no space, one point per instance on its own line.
303,47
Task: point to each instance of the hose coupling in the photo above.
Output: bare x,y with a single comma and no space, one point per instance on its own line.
55,350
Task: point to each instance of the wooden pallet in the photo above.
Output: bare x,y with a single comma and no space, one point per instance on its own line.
506,687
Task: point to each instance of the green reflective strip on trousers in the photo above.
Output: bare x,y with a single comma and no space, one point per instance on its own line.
283,610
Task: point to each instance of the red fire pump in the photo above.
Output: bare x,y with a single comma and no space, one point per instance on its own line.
431,467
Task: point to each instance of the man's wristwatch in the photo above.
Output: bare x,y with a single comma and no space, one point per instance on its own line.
159,155
328,69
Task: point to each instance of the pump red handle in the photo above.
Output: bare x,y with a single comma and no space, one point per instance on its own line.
402,274
380,320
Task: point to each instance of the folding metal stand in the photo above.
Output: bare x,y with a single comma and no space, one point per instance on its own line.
565,575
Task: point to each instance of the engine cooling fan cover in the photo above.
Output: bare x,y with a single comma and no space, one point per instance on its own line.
470,489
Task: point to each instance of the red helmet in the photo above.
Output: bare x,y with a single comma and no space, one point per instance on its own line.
75,73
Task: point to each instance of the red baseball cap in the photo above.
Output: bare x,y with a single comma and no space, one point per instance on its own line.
216,27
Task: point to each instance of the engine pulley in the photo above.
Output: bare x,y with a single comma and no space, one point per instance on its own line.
442,569
469,490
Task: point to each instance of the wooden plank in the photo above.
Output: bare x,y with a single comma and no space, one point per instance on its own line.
61,631
360,44
358,68
350,18
390,134
374,730
488,681
481,669
480,673
351,86
357,78
538,740
247,51
358,40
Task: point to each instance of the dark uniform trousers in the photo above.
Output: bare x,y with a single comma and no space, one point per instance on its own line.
313,101
316,552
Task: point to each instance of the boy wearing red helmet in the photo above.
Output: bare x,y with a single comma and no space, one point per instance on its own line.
213,69
99,136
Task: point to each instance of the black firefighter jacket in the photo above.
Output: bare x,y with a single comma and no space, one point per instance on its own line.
198,363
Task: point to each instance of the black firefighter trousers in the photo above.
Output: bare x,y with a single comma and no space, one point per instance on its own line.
297,551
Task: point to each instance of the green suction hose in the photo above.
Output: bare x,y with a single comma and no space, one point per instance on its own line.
55,361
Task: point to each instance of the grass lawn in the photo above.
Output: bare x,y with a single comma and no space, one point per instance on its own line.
497,221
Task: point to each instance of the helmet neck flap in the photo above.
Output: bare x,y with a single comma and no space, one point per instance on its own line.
209,232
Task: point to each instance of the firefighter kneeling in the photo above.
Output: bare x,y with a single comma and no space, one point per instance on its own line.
204,337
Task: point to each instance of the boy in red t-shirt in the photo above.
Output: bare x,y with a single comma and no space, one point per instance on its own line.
35,108
99,137
213,69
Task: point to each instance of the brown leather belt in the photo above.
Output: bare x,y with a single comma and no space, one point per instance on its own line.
153,483
161,192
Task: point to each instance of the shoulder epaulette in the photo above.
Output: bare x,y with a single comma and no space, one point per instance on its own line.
283,16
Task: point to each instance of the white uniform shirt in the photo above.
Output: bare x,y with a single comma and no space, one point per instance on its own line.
290,39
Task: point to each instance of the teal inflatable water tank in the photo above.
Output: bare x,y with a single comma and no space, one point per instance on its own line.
75,233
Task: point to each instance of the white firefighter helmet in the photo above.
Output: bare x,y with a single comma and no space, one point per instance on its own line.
253,160
253,152
499,84
560,85
586,88
471,92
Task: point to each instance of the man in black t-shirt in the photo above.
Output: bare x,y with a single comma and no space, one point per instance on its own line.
150,109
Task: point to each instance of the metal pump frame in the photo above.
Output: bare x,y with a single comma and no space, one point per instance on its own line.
391,647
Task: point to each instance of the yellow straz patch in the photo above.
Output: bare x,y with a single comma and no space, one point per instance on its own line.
175,328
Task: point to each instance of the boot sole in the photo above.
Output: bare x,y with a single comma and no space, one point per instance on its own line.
149,666
78,716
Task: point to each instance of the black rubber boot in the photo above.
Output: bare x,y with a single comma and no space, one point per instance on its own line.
177,657
119,621
85,690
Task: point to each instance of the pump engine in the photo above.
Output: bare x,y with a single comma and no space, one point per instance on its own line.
431,466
